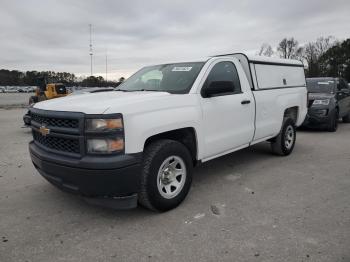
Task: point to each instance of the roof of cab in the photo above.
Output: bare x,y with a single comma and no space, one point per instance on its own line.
264,59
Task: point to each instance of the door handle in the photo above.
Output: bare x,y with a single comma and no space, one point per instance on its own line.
245,102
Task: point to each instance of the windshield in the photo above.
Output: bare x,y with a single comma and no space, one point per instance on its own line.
320,86
173,78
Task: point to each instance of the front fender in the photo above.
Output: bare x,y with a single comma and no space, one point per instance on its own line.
139,127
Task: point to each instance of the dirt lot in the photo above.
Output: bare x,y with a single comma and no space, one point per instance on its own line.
14,99
247,206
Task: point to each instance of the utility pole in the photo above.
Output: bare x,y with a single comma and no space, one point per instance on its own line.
106,67
90,27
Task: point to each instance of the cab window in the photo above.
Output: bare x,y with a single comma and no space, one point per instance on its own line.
224,72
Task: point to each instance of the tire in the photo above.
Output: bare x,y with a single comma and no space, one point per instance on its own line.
158,176
284,143
33,100
333,123
346,119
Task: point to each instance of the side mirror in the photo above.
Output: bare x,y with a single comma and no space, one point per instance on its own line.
217,88
345,91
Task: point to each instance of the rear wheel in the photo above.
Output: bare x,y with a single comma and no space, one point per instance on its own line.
284,143
333,122
166,175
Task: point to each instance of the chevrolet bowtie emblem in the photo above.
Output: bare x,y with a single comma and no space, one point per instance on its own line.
44,130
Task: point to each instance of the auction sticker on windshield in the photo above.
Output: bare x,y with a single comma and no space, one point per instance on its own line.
182,68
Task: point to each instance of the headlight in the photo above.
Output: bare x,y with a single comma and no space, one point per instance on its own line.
105,145
97,125
324,102
105,134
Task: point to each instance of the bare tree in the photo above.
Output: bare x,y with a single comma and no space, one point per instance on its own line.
323,44
265,50
289,48
311,52
282,48
314,50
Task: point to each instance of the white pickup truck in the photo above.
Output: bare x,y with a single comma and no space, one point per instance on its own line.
140,142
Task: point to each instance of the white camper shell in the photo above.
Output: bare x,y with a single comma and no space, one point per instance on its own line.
268,73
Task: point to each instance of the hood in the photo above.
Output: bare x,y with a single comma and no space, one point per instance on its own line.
313,96
98,103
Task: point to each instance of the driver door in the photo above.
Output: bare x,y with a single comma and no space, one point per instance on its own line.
228,117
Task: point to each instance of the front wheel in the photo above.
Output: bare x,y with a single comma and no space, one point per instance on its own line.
333,122
166,175
284,143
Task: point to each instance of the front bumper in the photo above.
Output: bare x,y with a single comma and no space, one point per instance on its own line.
111,181
313,119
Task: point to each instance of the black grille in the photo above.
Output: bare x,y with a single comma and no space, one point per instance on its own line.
54,121
58,143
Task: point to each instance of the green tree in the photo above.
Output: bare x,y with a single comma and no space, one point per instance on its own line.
335,62
93,81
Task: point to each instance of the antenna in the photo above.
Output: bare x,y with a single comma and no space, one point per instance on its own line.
90,27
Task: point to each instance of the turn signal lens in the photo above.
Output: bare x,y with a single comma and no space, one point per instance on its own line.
116,145
114,123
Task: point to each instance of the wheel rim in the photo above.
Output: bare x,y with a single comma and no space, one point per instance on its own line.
289,137
171,177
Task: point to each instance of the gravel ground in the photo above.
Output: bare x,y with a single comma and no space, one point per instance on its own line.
14,99
246,206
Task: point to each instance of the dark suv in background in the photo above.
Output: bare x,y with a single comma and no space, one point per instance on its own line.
329,100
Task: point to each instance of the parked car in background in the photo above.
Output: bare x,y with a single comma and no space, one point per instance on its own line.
22,89
31,89
329,100
17,89
12,89
140,142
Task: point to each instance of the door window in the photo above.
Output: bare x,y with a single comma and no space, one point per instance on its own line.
224,72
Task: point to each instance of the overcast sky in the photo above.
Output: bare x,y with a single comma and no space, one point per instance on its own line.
54,35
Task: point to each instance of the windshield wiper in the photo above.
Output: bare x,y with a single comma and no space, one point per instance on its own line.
139,90
122,90
155,90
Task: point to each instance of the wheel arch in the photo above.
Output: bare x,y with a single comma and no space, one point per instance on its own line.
292,112
186,136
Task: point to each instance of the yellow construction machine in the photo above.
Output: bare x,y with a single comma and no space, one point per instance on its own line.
48,91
